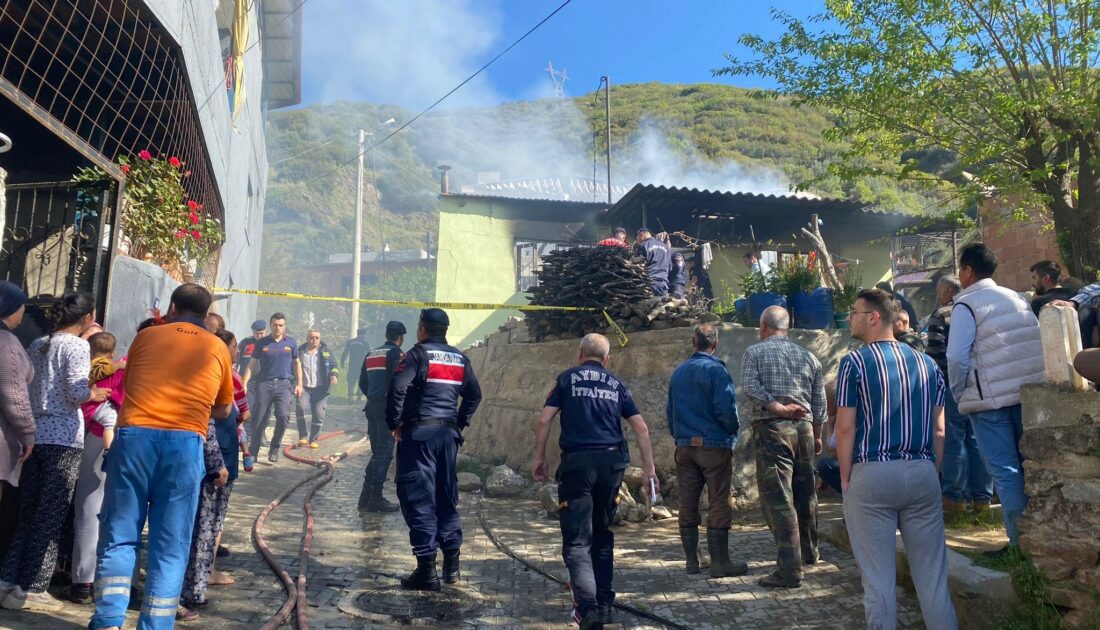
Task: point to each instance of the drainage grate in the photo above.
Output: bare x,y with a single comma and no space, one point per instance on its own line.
397,604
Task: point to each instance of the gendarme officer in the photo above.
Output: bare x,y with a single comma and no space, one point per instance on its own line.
593,404
374,382
423,411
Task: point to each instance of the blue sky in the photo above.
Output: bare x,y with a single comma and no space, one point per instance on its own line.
410,52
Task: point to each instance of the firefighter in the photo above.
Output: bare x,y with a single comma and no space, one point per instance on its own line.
593,404
374,382
424,414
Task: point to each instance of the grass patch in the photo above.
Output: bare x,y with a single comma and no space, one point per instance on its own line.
1035,611
986,520
470,466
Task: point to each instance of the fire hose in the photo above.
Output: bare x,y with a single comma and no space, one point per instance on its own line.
553,578
296,589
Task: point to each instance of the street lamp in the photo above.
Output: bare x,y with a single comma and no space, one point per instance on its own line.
357,251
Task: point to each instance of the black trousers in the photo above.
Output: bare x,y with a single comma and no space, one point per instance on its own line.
588,486
381,444
427,487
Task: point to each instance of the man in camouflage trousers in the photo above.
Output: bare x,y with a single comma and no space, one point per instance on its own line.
787,390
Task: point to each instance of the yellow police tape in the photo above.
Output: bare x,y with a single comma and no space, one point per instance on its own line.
461,306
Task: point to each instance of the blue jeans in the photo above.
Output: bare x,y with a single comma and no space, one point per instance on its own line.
828,468
154,473
998,433
964,475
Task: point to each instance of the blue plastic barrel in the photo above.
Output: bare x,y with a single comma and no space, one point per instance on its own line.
813,309
741,310
761,301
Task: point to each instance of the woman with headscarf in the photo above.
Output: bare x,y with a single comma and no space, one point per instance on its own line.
61,362
16,419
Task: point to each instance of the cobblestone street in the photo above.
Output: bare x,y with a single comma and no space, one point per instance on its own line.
353,555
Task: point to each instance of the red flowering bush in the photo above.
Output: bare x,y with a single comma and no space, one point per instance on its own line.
157,217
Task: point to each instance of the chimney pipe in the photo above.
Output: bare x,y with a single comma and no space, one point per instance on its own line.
444,179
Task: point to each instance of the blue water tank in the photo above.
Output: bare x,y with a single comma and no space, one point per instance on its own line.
761,301
813,309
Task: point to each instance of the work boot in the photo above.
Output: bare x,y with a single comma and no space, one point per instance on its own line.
591,621
778,580
451,572
606,614
424,578
378,503
718,543
981,507
689,536
365,496
952,508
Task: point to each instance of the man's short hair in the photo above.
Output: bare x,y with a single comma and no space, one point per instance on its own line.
880,302
595,346
979,258
1048,269
776,318
102,344
704,337
218,319
749,255
313,330
277,315
885,286
192,299
950,281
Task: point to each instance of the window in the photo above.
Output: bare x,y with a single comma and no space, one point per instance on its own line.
529,255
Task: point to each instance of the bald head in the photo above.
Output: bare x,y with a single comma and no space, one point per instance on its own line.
595,347
776,318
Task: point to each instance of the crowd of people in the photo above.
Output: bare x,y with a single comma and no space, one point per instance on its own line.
922,427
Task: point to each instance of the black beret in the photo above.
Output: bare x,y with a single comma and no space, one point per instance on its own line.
395,328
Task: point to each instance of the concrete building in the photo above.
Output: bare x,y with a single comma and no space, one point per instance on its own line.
334,276
85,82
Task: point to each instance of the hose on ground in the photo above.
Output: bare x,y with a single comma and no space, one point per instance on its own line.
553,578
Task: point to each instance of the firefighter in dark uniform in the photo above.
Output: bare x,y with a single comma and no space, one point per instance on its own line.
423,411
374,381
593,404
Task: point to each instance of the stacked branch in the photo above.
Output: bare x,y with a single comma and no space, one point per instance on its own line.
602,278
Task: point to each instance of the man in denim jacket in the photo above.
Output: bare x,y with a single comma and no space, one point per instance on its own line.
702,418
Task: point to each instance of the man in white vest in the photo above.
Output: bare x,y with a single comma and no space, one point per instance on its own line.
993,349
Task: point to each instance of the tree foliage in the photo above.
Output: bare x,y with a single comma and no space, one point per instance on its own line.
1003,95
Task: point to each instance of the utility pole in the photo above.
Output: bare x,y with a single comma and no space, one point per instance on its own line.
607,109
357,251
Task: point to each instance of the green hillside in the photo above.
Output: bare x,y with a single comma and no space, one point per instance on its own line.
700,127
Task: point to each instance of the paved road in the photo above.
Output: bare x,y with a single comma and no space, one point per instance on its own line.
353,555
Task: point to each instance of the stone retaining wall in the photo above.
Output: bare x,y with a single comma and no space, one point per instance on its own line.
516,376
1060,530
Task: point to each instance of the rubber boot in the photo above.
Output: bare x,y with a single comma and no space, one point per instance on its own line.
365,496
378,502
718,543
689,536
451,572
424,578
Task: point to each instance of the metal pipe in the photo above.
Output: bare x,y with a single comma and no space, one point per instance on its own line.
607,109
357,248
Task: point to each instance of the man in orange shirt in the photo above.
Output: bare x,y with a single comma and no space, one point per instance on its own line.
178,376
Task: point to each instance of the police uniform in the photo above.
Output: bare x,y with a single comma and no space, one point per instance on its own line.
423,401
658,260
593,403
374,382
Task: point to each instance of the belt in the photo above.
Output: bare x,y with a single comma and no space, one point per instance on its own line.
433,422
276,378
756,423
594,449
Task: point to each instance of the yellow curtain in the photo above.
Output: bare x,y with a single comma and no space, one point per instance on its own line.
241,30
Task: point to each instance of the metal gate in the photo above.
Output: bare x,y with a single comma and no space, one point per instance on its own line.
55,237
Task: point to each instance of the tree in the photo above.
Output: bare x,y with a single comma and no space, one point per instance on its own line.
1010,88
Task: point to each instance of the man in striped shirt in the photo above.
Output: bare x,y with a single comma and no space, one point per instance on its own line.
889,434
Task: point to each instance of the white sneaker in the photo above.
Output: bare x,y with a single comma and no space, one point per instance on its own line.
42,602
14,600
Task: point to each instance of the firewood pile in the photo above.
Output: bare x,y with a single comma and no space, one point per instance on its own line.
603,278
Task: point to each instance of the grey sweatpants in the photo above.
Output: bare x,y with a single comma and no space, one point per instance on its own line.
86,505
882,498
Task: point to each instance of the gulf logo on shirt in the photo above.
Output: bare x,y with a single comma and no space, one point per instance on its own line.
447,368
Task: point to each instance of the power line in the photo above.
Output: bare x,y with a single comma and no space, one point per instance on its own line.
325,143
448,94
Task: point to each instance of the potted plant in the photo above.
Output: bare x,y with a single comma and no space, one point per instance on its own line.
845,298
800,281
760,290
162,225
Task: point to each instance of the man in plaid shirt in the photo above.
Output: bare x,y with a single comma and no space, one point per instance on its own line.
785,385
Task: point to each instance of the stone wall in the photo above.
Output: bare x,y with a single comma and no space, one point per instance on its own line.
1018,245
1060,530
516,376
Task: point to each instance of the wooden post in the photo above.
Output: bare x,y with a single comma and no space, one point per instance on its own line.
826,259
